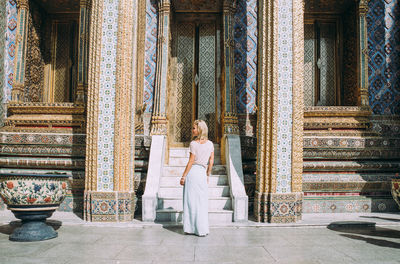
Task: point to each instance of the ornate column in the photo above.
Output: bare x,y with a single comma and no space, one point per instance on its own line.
363,99
109,192
17,94
229,118
278,196
83,51
158,118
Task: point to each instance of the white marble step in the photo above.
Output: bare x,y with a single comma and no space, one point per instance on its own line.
220,203
175,216
177,192
178,170
173,180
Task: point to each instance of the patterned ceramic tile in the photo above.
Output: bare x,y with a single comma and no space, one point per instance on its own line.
245,55
3,58
150,53
10,47
105,158
346,204
285,84
383,22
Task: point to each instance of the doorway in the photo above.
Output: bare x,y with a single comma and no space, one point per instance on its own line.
195,87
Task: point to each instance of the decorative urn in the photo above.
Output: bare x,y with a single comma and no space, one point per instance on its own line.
33,198
396,189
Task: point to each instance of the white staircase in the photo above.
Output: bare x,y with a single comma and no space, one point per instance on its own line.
170,204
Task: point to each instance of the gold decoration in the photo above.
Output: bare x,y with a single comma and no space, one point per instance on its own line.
96,26
141,34
159,122
267,98
123,98
297,116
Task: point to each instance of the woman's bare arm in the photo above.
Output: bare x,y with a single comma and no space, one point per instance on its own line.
210,165
187,169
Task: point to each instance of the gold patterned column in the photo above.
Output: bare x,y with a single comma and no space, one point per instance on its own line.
96,24
123,99
278,196
17,93
159,119
229,120
363,99
267,105
83,51
298,101
109,191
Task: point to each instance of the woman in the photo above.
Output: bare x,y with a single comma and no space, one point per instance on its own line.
195,179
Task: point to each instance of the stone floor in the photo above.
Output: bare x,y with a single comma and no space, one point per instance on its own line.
318,238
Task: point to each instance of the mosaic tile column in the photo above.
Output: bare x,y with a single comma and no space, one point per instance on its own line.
278,195
229,120
17,93
3,58
363,99
10,48
158,118
109,195
83,51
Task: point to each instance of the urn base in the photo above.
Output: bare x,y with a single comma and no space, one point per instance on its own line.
33,226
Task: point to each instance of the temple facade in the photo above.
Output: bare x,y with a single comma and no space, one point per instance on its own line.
301,97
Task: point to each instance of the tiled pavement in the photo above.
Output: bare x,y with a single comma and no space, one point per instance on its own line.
319,238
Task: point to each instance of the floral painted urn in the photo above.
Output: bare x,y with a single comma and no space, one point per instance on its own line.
396,189
33,198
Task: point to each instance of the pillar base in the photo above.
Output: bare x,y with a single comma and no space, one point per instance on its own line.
109,206
278,207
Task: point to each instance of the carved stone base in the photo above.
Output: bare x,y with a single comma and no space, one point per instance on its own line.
109,206
46,115
278,207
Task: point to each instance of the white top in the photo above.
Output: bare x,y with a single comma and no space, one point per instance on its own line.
202,152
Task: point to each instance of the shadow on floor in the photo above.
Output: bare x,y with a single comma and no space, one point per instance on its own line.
358,231
382,218
9,228
174,228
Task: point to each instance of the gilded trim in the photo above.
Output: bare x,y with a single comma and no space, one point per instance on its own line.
267,97
297,116
141,34
21,38
123,96
96,24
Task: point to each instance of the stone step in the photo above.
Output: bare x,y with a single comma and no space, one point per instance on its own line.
214,180
175,216
221,203
177,192
178,170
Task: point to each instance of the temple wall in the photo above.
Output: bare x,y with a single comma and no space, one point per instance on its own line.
383,21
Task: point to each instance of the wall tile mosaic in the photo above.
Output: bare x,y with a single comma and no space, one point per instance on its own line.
105,158
150,53
285,83
245,55
11,10
383,22
3,56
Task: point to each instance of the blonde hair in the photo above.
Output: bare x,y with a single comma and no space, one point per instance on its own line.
202,128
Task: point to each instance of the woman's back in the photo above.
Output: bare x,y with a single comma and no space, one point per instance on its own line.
201,151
